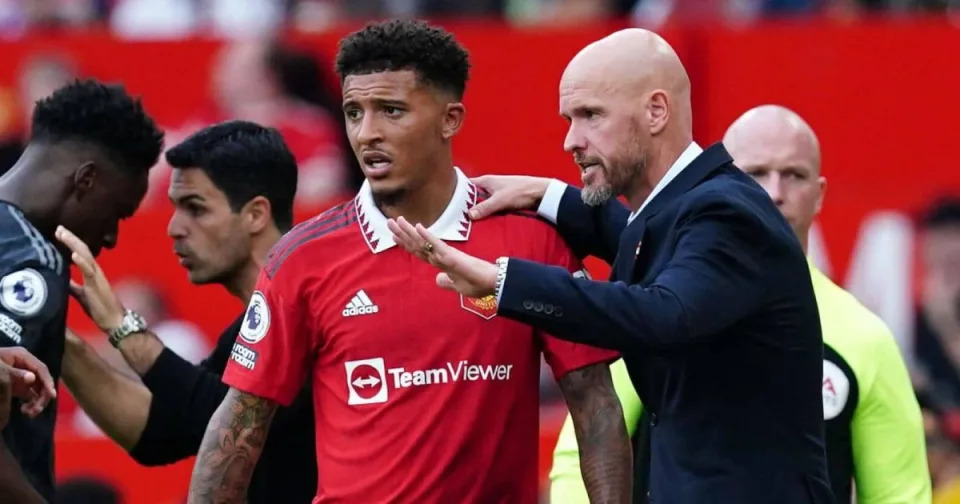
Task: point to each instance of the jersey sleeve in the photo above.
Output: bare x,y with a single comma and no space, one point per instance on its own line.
889,452
566,481
271,355
565,356
31,298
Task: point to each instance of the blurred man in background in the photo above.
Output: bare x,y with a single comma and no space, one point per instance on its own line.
938,320
232,188
39,77
874,428
421,396
276,85
86,166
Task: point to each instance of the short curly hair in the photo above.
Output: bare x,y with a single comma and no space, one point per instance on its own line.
390,46
102,115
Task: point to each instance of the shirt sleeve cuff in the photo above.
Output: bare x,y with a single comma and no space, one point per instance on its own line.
550,204
502,271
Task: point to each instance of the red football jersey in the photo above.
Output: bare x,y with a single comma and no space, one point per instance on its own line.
420,394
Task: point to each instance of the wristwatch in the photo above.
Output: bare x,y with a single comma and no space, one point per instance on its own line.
131,323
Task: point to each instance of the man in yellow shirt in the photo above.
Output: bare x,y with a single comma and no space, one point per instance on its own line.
875,438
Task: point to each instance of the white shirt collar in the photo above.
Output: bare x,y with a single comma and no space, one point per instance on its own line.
689,154
453,225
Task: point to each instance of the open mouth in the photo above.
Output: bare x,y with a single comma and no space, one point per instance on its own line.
376,164
589,170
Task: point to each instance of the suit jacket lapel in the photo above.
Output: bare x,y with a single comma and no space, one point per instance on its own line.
629,249
631,240
709,160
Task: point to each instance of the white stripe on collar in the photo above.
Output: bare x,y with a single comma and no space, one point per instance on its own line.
453,224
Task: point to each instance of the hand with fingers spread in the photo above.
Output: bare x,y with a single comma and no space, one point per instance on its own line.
508,192
95,294
461,272
23,376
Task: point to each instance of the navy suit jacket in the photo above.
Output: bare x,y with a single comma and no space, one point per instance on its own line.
712,307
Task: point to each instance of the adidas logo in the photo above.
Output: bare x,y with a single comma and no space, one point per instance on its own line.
360,305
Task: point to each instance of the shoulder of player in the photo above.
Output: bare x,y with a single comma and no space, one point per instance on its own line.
526,227
527,219
518,218
22,246
321,231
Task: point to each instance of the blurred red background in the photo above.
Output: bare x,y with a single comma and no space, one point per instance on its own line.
881,95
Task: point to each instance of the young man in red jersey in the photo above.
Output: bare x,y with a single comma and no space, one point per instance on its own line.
421,395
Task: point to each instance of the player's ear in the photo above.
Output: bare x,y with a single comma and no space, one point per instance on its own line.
256,214
84,178
453,119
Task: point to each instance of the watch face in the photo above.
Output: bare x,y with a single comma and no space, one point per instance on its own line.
132,322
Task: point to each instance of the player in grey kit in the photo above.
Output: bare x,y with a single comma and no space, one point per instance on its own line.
85,167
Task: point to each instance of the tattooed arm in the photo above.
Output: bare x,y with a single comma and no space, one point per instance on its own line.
606,459
230,449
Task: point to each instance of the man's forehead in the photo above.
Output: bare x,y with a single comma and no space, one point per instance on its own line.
358,85
589,91
190,181
773,151
948,235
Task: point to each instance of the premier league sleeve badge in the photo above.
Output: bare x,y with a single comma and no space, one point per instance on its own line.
23,292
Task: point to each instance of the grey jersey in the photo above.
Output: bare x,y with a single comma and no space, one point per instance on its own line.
34,284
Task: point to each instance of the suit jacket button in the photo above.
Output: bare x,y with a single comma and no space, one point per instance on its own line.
548,309
528,305
558,311
653,419
538,307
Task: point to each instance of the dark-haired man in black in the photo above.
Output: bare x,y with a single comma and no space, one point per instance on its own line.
232,187
86,165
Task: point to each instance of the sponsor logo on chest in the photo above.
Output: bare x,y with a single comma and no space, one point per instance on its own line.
369,381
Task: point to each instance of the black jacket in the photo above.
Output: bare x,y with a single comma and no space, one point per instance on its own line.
712,307
185,397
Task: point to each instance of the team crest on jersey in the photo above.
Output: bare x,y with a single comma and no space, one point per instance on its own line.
836,390
23,292
257,320
486,306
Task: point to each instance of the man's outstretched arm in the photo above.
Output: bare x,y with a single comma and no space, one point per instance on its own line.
231,448
588,230
606,461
